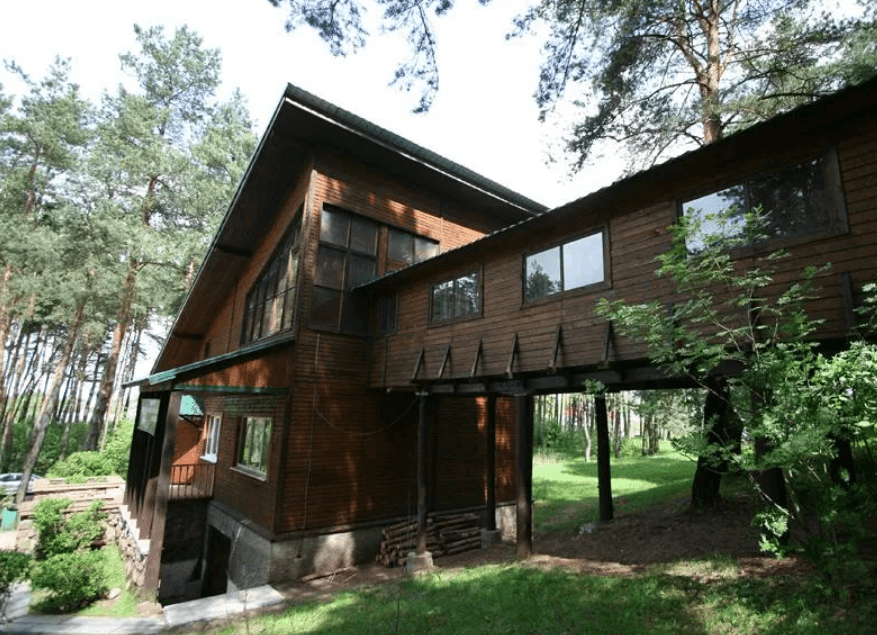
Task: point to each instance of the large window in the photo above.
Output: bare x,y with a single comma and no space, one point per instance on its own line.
405,249
270,303
347,257
254,445
796,200
211,438
578,263
456,298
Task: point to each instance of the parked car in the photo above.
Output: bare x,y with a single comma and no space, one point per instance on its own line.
11,480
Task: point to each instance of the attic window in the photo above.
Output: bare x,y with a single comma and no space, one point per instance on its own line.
270,305
798,200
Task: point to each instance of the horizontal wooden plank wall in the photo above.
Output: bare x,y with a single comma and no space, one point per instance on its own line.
351,451
252,496
636,238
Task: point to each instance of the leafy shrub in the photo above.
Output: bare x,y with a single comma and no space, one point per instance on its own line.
72,579
81,465
14,567
113,459
57,535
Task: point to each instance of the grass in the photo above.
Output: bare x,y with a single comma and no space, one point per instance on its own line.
519,599
693,597
565,488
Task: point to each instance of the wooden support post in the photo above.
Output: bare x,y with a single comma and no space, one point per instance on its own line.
604,472
524,475
491,463
151,577
422,448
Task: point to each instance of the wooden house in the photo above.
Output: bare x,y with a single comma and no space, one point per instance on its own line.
363,339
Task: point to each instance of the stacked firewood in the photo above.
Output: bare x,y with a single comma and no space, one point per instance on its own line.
445,536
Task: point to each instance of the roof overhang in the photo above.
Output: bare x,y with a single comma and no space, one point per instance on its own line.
302,123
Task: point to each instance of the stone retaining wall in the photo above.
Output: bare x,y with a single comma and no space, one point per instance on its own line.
120,531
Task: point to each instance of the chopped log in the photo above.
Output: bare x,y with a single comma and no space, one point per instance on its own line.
446,535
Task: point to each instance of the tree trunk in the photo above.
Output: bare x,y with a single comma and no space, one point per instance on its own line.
49,402
722,429
615,414
123,319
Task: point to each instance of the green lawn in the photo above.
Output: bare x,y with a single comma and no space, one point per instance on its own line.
519,599
707,597
565,488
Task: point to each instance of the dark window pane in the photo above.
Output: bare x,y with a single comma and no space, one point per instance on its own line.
794,200
583,261
325,308
334,228
387,315
361,270
424,248
443,300
467,293
354,314
288,309
400,247
363,236
542,274
330,268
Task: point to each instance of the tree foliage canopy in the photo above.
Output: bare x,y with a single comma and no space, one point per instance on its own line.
654,75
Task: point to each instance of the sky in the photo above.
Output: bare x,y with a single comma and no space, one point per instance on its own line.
484,116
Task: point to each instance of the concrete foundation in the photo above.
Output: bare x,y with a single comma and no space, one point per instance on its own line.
490,538
417,563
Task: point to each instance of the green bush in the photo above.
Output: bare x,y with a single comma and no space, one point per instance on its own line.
113,459
81,465
14,567
57,535
72,579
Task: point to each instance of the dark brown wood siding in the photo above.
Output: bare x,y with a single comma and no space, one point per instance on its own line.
239,490
351,451
637,235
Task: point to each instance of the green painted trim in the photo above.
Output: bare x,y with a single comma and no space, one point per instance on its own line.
249,349
232,390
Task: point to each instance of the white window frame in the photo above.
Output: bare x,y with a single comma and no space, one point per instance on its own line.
211,438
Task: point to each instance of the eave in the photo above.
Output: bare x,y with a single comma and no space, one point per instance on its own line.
300,124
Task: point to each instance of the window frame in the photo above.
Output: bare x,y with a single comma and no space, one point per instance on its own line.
245,464
346,300
478,313
835,199
212,428
288,248
391,265
605,283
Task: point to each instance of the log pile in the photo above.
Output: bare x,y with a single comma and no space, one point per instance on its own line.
445,536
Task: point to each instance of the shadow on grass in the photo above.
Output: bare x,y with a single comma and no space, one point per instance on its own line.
518,599
504,599
566,491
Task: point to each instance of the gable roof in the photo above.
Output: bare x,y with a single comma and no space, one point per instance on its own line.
301,122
